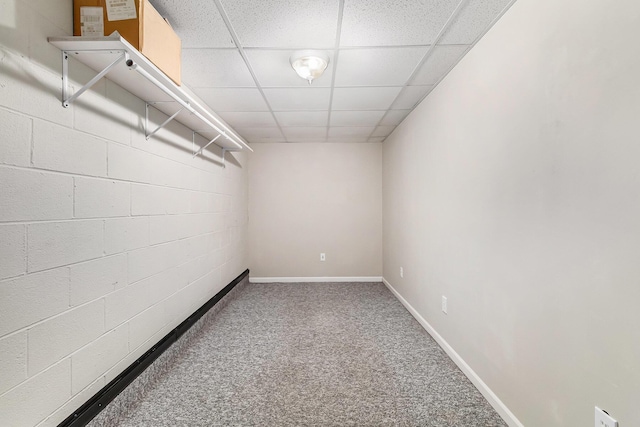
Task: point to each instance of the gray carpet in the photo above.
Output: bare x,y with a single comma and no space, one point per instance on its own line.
329,354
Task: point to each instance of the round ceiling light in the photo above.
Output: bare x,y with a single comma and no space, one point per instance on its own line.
309,64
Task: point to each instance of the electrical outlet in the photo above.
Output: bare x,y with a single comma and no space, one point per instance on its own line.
323,257
444,304
603,419
401,272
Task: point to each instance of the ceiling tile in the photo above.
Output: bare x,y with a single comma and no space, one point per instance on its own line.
353,131
251,132
302,118
366,98
233,99
308,98
473,20
377,66
305,132
248,119
394,117
215,68
273,69
386,38
394,22
439,62
284,23
410,96
383,131
356,118
198,24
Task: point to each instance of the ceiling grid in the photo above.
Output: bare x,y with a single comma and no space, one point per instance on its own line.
385,56
334,65
234,37
425,57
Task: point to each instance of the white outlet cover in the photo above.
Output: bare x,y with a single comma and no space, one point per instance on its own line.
444,304
401,272
604,420
322,256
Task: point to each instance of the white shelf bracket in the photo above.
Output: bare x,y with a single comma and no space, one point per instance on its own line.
146,119
225,151
114,58
187,106
68,99
206,145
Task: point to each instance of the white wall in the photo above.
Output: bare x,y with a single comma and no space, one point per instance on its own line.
305,199
513,190
107,241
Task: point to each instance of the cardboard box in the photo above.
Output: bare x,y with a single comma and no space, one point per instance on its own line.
137,22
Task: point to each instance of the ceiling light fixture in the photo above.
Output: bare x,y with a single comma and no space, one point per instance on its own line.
309,64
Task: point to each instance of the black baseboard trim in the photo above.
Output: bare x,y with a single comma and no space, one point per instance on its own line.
100,400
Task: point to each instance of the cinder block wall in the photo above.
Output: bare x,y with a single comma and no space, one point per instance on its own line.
107,241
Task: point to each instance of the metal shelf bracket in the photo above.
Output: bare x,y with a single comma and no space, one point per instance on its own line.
116,59
224,151
148,135
68,99
206,145
201,149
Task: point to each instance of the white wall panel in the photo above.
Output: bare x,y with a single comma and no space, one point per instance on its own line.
512,190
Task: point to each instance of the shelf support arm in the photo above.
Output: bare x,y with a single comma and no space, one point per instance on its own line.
208,144
225,151
68,99
132,65
150,134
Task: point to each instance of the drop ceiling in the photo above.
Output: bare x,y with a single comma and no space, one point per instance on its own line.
385,57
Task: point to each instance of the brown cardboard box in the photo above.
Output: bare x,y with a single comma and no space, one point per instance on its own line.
148,32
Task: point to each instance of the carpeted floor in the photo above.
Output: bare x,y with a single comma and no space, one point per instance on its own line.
328,354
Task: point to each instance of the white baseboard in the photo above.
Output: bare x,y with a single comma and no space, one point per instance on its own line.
313,279
491,397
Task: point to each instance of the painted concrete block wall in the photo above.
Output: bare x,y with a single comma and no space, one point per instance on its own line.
513,190
107,241
309,198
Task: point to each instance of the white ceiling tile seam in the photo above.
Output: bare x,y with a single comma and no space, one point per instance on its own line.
473,43
430,49
335,62
236,40
383,56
